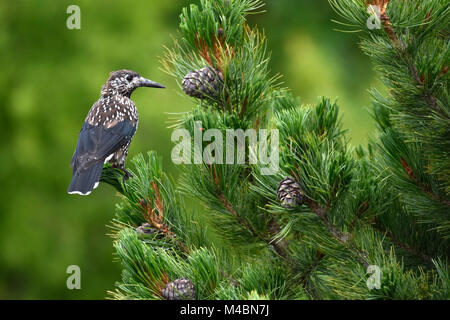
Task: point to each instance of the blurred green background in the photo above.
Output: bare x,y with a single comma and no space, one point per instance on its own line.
50,76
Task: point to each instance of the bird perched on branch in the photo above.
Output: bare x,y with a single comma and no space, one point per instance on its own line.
107,131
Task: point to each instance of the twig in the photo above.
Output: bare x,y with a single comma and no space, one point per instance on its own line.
343,238
157,219
401,48
280,247
322,213
426,189
406,247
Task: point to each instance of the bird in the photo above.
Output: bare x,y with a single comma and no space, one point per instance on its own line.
107,131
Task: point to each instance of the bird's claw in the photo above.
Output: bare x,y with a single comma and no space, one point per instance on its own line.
126,175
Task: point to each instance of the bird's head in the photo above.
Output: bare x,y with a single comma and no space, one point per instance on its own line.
124,82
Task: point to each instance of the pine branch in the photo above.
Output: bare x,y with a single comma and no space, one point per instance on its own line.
354,207
425,188
403,54
233,212
322,213
280,247
410,249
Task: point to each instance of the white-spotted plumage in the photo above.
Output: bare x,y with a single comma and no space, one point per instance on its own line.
108,130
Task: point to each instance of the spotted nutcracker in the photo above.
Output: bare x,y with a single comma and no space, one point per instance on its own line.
107,131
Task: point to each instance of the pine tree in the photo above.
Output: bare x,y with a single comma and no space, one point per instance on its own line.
334,219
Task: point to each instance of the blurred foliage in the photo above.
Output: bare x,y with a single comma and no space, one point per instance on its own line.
51,76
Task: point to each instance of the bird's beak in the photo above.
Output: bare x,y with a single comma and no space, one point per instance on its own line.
149,83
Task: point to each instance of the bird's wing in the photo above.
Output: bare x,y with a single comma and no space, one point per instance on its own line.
97,142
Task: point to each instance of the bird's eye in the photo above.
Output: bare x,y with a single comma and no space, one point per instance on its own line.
129,78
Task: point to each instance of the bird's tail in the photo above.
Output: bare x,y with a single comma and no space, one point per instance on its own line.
84,182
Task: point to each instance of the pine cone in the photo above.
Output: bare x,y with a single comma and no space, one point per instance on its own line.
180,289
203,83
289,193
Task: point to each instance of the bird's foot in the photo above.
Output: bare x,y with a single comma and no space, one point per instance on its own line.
126,175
